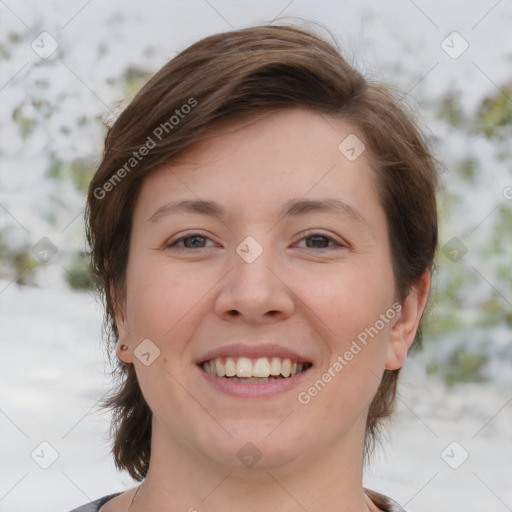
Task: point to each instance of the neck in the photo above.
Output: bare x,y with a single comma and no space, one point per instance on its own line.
180,479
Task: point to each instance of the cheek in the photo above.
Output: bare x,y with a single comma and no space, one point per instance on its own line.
347,300
162,298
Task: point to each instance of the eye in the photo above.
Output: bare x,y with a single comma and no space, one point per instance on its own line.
190,241
321,240
314,240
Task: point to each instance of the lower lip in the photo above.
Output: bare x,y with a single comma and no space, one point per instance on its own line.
254,389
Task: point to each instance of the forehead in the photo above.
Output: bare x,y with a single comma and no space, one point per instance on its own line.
266,160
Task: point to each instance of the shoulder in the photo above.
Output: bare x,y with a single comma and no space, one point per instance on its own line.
383,502
94,506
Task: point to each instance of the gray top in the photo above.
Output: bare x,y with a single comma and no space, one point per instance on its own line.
94,506
383,502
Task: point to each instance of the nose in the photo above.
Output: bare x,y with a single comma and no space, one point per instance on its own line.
255,291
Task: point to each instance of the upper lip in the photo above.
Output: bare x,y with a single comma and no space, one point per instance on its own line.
254,352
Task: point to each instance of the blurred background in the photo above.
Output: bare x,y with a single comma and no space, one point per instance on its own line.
67,68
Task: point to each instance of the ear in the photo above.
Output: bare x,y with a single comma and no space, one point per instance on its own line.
404,330
125,355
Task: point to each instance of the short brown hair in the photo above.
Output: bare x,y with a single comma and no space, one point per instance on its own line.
251,71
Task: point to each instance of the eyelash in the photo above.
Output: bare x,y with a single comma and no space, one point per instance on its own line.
306,235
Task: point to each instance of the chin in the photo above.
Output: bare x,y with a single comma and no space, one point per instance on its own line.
255,451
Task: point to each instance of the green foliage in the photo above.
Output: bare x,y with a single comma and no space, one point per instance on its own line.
467,168
78,171
4,52
458,313
445,315
494,116
78,274
26,125
133,79
450,110
448,203
14,37
496,311
81,171
21,264
463,366
55,167
25,266
498,250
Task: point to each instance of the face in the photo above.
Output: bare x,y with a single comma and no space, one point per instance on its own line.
260,276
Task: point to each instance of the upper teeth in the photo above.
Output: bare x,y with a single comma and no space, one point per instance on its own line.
245,367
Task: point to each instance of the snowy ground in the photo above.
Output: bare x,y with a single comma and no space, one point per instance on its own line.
52,363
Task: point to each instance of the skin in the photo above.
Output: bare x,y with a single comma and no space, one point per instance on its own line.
304,293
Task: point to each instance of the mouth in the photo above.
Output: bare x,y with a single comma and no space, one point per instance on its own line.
259,370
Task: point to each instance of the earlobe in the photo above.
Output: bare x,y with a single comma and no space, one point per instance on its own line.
123,351
404,330
123,342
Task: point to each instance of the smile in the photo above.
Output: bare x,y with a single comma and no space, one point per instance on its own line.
261,369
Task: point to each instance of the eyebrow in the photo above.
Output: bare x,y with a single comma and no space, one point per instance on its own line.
294,207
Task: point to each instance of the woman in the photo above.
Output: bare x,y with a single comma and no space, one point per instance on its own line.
263,226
